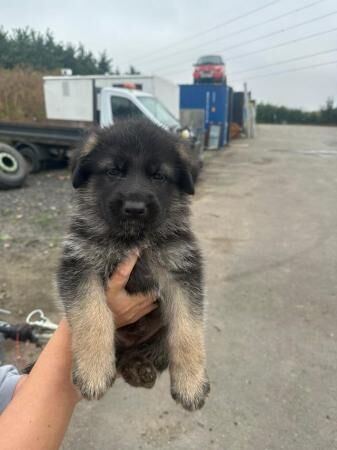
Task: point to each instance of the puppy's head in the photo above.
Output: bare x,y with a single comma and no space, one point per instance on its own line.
135,173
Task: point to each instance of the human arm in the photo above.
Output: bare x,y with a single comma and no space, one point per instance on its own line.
39,414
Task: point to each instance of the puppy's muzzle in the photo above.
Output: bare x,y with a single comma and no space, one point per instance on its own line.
134,209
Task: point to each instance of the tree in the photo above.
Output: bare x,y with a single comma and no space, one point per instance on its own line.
27,47
4,48
267,113
132,71
104,63
69,57
85,62
328,112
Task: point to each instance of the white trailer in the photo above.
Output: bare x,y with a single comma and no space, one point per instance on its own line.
73,97
70,99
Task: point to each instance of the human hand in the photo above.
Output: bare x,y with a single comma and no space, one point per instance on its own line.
127,308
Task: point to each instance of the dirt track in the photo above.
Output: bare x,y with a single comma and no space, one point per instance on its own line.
266,216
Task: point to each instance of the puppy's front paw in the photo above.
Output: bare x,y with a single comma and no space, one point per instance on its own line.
93,381
190,390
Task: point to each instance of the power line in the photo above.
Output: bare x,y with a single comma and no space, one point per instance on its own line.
282,44
264,36
291,27
298,69
206,31
285,61
241,30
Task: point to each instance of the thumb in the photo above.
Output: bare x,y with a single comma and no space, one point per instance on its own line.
123,271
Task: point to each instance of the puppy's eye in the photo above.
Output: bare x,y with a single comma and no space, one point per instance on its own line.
158,176
114,172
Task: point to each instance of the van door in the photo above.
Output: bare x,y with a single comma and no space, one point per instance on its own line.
122,108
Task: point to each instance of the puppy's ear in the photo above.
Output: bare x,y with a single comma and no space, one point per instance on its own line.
81,172
80,164
89,143
185,181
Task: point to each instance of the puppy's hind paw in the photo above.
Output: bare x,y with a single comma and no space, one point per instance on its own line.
191,394
95,385
138,372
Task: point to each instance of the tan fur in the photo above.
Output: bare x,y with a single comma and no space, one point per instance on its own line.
89,144
93,341
187,349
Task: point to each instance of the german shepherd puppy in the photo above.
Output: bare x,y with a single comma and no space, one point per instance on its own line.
131,192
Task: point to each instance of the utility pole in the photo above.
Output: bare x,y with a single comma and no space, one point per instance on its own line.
248,114
245,111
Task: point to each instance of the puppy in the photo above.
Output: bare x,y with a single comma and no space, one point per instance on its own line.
132,188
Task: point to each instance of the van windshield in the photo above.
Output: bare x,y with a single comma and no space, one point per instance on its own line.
159,111
210,59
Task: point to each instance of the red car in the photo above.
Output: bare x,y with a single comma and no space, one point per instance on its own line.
209,69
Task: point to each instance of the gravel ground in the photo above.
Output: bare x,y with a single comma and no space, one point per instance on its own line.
34,216
32,223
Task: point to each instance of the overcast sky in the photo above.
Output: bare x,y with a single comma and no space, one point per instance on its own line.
166,37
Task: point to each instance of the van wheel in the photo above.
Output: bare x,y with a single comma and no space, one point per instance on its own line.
13,168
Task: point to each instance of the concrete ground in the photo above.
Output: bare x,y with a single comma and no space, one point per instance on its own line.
266,216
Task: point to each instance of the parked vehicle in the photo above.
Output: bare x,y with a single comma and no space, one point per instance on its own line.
209,69
73,104
164,90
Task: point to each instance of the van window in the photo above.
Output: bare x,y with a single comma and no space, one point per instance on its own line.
123,108
159,111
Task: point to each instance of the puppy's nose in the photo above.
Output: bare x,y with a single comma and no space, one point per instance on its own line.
134,208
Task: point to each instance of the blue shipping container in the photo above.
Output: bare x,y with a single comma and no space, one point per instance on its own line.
213,100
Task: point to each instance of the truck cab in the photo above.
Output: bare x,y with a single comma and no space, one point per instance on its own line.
119,104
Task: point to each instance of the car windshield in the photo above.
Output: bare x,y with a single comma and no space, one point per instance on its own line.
159,111
210,59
